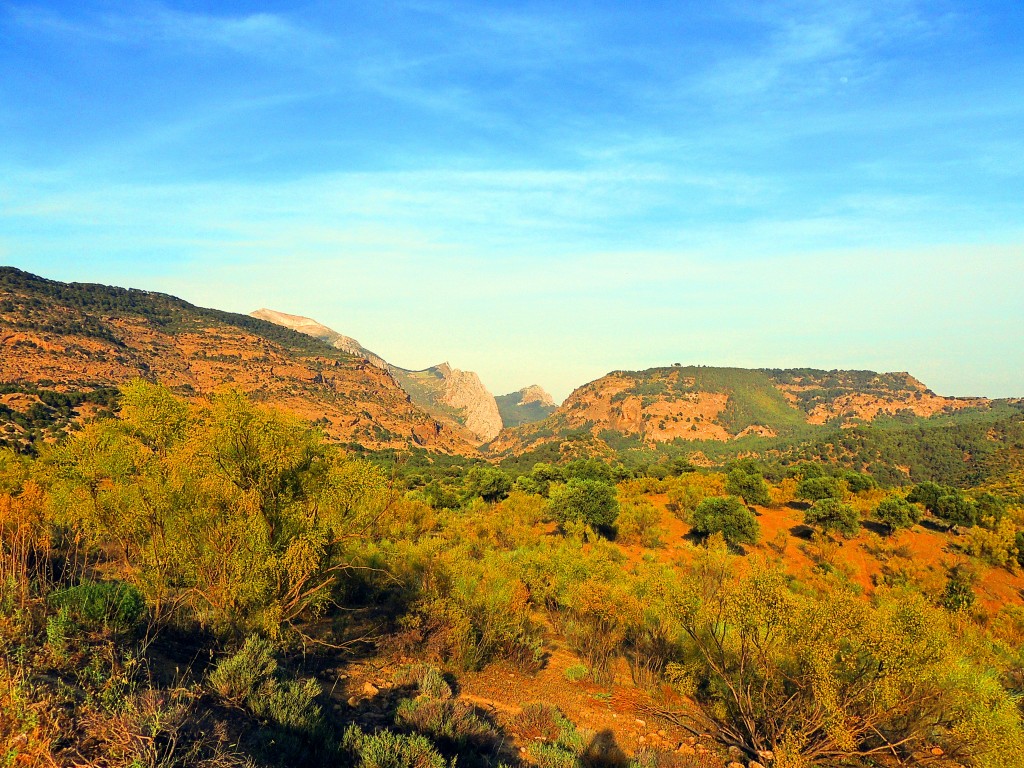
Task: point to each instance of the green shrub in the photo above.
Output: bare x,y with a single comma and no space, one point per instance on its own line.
750,486
895,512
638,524
58,629
956,509
959,592
858,482
386,749
247,673
290,704
450,723
728,516
833,515
576,672
111,605
251,678
554,742
585,501
817,488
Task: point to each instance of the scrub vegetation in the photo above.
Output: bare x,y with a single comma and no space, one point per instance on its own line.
208,582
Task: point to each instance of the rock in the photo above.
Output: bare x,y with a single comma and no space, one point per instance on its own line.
734,764
766,756
754,764
735,753
686,749
352,702
937,751
369,689
663,733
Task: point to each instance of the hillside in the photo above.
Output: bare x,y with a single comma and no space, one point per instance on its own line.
311,327
526,406
584,615
455,397
697,403
81,340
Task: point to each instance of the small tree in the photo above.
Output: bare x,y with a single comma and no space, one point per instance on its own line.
728,516
750,486
895,512
833,515
588,501
817,488
956,509
959,593
489,483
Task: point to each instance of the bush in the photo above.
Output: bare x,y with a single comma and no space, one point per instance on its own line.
386,749
251,678
576,672
956,509
895,512
833,515
247,673
585,501
728,516
959,593
554,742
750,486
823,677
489,483
858,482
111,605
818,488
449,724
638,524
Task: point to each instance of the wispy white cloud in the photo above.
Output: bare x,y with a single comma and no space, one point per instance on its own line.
146,23
809,49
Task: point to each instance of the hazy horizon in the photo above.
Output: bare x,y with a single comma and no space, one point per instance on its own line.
541,193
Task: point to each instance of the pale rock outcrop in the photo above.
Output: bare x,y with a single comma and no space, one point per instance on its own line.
463,390
311,327
457,398
536,394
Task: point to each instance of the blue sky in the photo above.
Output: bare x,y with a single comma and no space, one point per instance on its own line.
541,192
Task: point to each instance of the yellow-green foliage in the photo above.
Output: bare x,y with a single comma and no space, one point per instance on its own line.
829,674
686,492
996,545
638,523
236,511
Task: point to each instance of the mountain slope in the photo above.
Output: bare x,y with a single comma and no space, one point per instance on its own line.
694,403
526,406
77,338
312,328
453,397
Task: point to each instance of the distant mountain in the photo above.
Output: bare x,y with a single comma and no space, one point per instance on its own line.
692,403
526,406
312,328
453,397
65,346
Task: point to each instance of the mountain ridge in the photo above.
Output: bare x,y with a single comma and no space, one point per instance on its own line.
81,338
693,403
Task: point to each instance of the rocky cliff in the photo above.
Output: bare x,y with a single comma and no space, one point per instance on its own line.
454,395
